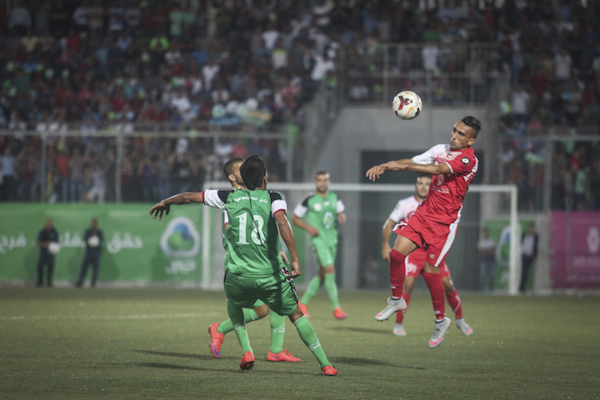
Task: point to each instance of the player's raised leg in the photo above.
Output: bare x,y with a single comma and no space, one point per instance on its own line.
456,304
402,247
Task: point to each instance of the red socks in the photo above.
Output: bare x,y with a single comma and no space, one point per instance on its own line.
455,303
400,315
436,288
397,273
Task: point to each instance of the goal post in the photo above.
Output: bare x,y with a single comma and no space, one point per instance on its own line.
367,207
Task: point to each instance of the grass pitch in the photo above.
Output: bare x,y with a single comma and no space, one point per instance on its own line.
153,343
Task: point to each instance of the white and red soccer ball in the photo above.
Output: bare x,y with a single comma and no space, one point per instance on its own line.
407,105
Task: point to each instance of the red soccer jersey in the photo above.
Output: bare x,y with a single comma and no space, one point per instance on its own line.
447,191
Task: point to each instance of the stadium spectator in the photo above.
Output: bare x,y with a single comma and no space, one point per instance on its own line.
131,61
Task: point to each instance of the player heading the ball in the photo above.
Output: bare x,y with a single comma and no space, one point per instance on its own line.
434,225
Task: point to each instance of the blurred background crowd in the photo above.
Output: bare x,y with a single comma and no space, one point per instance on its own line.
147,68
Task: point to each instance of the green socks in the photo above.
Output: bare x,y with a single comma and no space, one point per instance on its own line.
277,332
331,287
237,318
313,288
227,326
309,337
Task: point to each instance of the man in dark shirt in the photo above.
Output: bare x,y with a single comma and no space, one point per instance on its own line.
93,248
47,241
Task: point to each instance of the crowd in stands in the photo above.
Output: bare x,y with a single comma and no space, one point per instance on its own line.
552,51
130,66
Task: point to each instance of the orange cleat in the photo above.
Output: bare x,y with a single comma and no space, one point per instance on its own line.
247,361
329,370
304,309
283,356
216,340
339,314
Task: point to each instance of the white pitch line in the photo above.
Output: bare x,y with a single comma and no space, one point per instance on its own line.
106,317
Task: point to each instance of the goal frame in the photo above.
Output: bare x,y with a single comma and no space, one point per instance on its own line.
511,190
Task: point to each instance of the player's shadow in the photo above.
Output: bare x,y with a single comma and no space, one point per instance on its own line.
235,371
184,355
361,330
367,362
335,360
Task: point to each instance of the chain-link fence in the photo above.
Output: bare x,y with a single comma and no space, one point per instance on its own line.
443,74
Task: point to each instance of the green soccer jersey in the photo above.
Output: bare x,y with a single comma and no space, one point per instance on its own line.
252,237
321,212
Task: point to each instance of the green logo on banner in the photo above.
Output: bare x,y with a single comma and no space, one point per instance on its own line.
180,239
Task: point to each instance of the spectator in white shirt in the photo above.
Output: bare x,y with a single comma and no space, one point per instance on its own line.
323,64
209,71
181,102
430,54
270,36
520,103
562,63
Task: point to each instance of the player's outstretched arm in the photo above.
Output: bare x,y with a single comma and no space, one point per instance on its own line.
430,169
164,206
285,230
375,172
385,239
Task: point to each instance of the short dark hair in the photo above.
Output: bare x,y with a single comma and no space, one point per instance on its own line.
253,171
474,123
322,173
228,167
423,176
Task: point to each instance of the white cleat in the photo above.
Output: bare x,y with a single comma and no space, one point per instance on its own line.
440,332
399,330
464,327
392,307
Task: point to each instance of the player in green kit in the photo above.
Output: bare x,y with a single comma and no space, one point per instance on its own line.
253,267
323,211
260,309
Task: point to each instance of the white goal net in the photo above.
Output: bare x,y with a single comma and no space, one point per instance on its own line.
359,263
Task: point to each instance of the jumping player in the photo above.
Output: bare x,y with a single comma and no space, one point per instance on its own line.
433,226
253,266
415,260
260,309
323,211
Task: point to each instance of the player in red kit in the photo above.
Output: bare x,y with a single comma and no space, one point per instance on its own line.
433,226
415,260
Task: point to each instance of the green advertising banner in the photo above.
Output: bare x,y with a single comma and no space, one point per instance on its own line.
136,247
500,232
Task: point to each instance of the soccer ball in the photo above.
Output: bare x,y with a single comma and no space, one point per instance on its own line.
407,105
94,241
54,248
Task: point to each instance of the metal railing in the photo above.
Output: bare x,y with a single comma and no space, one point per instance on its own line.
442,74
38,175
